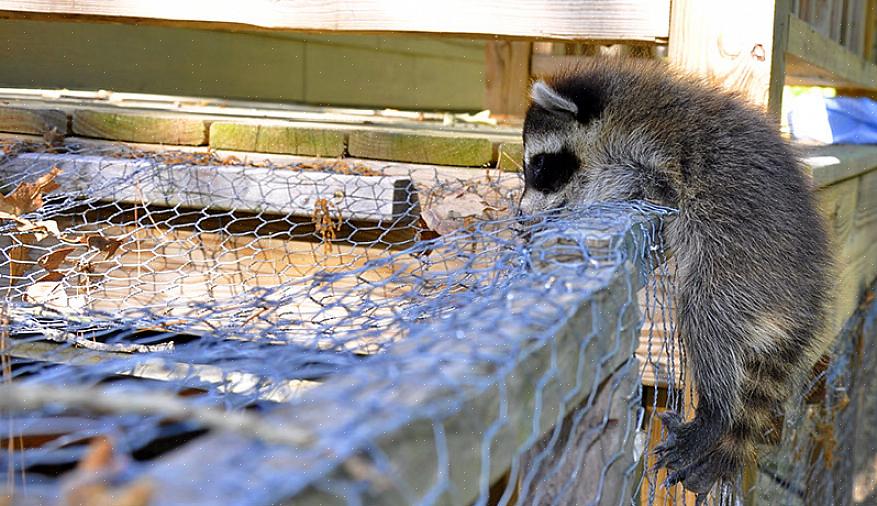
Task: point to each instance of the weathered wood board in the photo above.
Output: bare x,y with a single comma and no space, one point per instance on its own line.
434,148
140,127
740,46
252,189
37,121
294,139
816,60
634,20
507,77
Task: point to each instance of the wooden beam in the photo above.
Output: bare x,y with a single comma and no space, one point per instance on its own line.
28,120
239,188
422,147
139,127
739,45
507,77
603,20
814,59
267,137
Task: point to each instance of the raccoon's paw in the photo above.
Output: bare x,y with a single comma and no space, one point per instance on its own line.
702,475
686,442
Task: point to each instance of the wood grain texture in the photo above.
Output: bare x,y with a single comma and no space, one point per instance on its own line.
596,439
298,139
738,45
433,148
507,77
629,20
32,121
814,59
140,127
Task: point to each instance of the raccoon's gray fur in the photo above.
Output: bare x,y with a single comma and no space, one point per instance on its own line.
752,256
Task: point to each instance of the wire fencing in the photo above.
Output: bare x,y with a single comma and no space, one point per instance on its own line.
187,328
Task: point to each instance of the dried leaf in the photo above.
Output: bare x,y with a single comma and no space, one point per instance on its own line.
51,277
19,255
107,245
28,197
53,260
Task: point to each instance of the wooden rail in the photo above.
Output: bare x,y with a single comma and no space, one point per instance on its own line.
601,20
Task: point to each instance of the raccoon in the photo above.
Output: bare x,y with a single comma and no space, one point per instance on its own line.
752,255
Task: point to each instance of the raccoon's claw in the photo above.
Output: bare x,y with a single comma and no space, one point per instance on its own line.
677,451
701,476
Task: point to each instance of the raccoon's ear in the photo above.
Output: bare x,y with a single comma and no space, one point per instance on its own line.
547,98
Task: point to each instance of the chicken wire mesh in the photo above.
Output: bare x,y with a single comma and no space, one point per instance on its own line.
187,328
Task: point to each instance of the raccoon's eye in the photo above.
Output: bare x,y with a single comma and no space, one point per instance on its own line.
549,172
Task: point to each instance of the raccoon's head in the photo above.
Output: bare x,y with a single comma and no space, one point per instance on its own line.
574,152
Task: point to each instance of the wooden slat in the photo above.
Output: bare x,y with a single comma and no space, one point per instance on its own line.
241,188
434,148
507,77
813,59
139,127
548,64
828,165
628,20
739,45
26,120
294,139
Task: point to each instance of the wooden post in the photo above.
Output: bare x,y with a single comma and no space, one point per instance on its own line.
507,77
740,45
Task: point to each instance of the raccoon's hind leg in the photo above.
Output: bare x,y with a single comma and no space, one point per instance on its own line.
732,415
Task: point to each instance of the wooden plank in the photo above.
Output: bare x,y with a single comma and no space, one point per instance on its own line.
828,165
511,157
388,74
288,138
140,127
253,189
595,439
740,46
813,59
629,20
507,77
433,148
37,121
548,64
427,73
